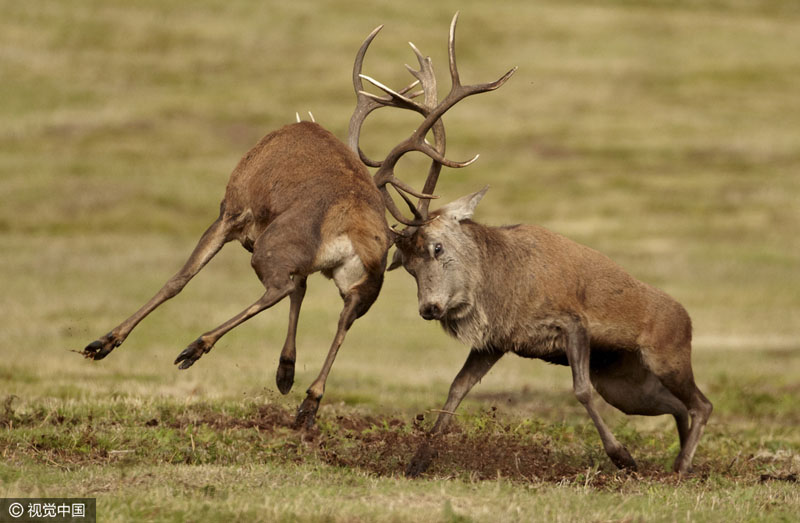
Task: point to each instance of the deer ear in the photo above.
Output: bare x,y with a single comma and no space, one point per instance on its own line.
464,207
397,260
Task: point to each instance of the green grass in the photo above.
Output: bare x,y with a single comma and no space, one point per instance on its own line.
215,460
665,134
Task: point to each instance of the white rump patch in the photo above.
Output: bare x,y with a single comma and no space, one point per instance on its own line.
339,257
333,253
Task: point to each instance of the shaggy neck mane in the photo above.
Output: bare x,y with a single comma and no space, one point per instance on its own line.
470,323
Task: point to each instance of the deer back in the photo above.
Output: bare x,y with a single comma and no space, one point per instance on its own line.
512,286
308,179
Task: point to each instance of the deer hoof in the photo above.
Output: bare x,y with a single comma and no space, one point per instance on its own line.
681,468
192,353
99,349
421,460
623,459
285,377
306,414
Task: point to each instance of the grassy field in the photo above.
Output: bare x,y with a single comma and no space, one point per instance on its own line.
663,133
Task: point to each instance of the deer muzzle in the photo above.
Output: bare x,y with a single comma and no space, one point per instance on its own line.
431,311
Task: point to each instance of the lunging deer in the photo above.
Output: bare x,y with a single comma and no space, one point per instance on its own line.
301,202
535,293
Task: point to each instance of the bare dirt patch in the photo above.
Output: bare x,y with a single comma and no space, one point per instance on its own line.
265,417
485,446
384,446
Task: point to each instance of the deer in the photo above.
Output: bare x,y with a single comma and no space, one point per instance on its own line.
525,290
301,201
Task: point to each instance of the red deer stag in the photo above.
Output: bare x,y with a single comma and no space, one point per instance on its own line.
535,293
301,201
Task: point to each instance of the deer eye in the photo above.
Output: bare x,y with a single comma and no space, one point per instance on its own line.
437,250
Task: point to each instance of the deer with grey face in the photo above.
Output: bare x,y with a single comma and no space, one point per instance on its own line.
301,202
534,293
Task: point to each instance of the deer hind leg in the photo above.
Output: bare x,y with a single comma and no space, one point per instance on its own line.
477,365
277,254
577,349
285,375
673,369
359,290
624,382
209,245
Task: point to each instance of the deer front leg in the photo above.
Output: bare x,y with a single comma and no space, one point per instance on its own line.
285,375
477,365
578,357
307,412
210,243
360,290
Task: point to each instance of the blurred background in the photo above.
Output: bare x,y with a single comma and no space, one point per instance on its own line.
665,134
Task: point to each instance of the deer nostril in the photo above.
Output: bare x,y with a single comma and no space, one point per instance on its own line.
431,311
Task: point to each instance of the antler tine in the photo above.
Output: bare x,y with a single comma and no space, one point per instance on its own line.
398,215
425,76
414,211
367,102
470,89
451,51
395,99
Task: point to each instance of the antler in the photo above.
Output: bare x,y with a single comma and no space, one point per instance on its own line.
432,113
367,102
